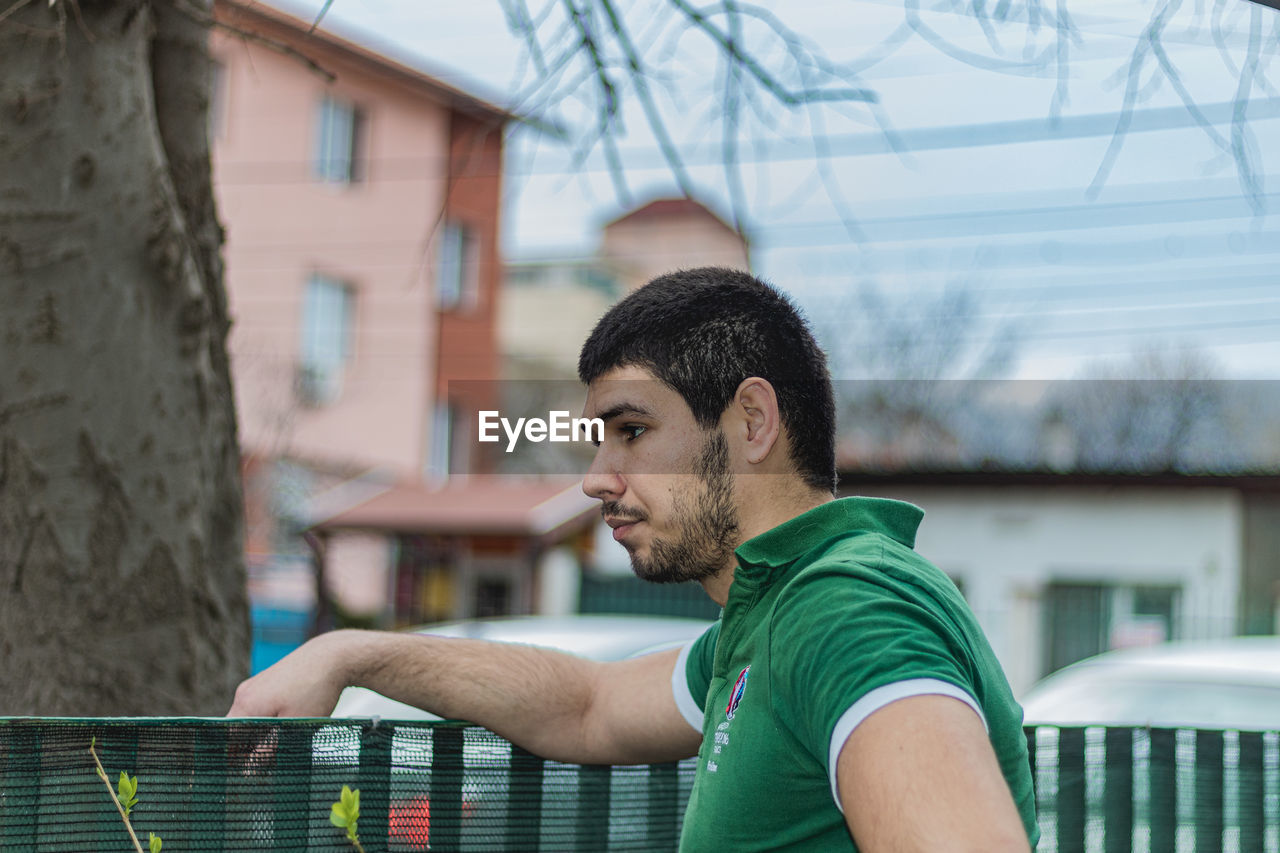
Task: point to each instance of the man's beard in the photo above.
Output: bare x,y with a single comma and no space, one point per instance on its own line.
708,525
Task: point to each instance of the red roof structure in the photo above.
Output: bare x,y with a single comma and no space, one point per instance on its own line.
478,505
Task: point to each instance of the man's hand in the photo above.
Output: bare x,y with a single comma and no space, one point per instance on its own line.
306,683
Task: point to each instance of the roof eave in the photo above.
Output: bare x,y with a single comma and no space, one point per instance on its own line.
228,13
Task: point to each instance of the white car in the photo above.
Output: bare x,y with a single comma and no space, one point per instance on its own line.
1208,684
601,638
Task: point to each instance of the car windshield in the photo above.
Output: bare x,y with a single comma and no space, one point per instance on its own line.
1130,701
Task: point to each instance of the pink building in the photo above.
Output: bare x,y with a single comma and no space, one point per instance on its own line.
361,201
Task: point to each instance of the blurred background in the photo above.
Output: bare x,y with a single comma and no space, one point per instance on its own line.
1037,241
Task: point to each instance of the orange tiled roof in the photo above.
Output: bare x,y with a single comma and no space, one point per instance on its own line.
478,505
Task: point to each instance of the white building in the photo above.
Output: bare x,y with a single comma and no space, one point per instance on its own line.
1062,566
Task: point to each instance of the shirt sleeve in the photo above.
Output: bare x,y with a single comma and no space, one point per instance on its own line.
845,646
691,677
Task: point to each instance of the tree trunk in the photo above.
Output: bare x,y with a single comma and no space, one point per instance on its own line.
122,585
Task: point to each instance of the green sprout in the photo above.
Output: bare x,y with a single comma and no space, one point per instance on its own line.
125,796
127,792
345,813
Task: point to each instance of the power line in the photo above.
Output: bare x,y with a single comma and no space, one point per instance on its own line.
1038,220
839,145
1139,332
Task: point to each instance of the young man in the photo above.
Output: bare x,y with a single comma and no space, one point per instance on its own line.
846,699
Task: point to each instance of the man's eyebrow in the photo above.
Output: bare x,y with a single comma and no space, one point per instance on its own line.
633,410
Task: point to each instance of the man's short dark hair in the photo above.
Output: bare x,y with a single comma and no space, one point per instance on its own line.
703,331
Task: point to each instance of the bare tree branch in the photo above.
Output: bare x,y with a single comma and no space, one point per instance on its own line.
748,62
1243,144
201,16
609,92
729,135
1175,79
324,10
822,158
1066,29
639,79
1030,66
1126,110
767,76
519,21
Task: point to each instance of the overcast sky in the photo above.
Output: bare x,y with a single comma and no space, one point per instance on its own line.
1001,183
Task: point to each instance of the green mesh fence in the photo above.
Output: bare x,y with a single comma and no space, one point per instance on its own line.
214,785
206,785
1156,790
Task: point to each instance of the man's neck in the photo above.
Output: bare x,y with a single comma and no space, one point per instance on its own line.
755,521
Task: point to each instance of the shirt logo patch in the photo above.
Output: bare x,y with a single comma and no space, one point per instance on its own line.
739,687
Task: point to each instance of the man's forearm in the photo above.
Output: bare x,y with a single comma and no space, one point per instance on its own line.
551,703
538,698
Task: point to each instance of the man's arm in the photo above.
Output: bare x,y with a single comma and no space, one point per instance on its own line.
553,704
919,774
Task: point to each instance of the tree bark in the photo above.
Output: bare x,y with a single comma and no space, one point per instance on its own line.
122,584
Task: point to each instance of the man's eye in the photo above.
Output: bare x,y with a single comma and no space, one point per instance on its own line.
632,431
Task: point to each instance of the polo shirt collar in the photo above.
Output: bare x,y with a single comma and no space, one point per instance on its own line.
792,539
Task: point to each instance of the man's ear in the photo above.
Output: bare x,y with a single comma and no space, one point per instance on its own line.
755,407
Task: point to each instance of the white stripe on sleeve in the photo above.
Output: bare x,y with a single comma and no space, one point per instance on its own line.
877,699
680,690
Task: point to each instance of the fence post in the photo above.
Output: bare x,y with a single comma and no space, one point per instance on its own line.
1071,805
209,770
1030,733
1209,791
1162,811
118,751
375,782
1118,793
593,807
446,787
1251,796
291,788
524,803
664,799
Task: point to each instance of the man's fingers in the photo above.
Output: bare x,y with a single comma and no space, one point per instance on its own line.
302,684
243,706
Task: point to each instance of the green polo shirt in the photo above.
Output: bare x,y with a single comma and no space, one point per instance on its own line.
830,617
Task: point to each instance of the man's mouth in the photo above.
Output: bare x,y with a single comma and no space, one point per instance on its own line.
621,525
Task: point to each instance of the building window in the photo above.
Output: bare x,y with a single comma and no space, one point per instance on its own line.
457,268
1085,619
338,135
440,442
447,441
327,331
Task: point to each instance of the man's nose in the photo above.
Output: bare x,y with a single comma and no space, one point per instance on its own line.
602,482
